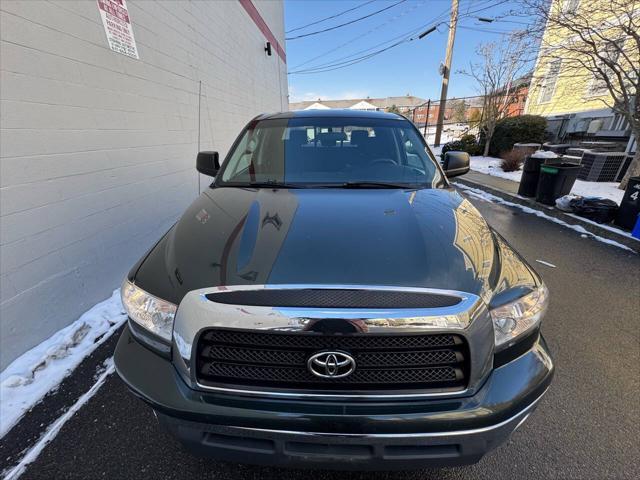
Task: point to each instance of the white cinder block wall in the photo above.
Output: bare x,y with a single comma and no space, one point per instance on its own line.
97,150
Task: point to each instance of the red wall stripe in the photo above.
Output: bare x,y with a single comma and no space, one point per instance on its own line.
264,28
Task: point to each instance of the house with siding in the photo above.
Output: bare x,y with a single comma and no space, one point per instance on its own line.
574,101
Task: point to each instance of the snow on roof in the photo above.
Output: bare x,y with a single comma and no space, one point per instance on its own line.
363,105
317,106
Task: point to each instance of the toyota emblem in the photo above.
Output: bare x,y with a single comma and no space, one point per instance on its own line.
331,364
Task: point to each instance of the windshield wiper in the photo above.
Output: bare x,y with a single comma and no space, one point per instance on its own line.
271,184
374,185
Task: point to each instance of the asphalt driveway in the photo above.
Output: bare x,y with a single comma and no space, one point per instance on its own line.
587,426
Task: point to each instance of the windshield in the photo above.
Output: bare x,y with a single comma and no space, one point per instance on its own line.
298,152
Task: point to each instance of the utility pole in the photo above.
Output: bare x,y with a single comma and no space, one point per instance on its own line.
447,70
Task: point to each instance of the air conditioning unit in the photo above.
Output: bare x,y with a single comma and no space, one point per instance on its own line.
601,166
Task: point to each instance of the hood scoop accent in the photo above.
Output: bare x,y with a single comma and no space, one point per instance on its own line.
335,298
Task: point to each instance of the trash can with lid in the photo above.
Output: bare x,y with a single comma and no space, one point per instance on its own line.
531,172
630,205
556,181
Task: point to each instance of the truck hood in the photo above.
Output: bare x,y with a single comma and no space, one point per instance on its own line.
432,238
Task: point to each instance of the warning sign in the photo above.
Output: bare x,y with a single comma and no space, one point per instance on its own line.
117,26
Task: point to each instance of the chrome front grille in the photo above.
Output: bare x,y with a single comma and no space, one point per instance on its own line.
407,342
278,360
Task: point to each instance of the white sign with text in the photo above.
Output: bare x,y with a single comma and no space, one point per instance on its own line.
117,26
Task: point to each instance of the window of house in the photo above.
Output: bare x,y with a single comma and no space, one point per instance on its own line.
611,52
549,81
570,6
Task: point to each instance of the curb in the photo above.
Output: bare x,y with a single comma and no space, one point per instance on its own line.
589,226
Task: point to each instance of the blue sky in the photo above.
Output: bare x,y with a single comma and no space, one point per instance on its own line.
411,67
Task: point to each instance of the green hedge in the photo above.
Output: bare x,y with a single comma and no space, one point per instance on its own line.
467,143
512,130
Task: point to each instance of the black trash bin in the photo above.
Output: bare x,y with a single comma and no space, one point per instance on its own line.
556,181
530,174
630,205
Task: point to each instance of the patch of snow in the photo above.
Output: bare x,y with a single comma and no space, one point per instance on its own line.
605,226
481,194
38,371
543,154
32,454
608,190
491,166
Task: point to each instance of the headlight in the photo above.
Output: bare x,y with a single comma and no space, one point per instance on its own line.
151,313
517,318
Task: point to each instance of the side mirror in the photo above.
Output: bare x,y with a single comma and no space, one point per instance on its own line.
456,163
208,163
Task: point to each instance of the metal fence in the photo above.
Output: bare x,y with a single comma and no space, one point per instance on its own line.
462,116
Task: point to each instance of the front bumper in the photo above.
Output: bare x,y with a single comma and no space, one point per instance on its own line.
363,435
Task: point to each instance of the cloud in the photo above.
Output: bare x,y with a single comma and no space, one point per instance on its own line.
304,97
294,96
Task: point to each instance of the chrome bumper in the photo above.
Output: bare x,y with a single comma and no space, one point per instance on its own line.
468,318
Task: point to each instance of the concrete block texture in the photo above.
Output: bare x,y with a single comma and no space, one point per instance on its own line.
97,150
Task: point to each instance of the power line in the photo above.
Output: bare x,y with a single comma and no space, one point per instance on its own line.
487,7
330,17
368,32
407,37
377,27
485,30
373,47
350,62
346,23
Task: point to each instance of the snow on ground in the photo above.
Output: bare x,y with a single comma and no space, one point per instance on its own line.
38,371
436,150
481,194
491,166
608,190
33,453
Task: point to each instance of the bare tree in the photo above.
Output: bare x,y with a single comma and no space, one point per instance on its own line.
500,63
597,42
458,111
393,109
475,118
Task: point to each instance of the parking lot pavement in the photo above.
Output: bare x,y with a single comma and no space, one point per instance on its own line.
587,426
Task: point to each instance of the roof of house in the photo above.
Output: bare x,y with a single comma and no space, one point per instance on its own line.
382,103
340,113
